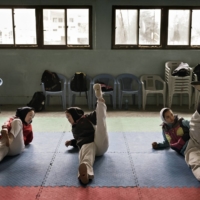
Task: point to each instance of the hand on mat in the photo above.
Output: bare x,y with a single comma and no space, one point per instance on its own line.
67,143
154,145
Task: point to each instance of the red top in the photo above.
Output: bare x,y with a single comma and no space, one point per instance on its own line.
27,130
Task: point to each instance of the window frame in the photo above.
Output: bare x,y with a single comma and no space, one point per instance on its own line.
163,28
39,29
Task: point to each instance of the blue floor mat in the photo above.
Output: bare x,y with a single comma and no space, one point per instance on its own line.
25,169
44,142
168,169
130,161
110,170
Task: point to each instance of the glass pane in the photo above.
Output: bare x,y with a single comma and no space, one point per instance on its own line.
54,26
6,30
149,32
178,27
126,27
195,34
25,26
78,26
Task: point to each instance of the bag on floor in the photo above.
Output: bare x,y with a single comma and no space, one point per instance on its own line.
51,81
79,82
37,101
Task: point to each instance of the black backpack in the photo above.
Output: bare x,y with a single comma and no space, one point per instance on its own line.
51,81
37,101
197,71
79,82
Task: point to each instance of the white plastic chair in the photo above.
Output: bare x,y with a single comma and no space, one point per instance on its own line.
72,94
152,84
61,93
176,84
129,84
109,80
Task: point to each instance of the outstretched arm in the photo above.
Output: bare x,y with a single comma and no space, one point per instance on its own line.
163,145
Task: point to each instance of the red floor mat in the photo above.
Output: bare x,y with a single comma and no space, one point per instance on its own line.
97,193
18,193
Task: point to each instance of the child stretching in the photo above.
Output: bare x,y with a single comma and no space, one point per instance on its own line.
90,135
192,152
175,132
16,132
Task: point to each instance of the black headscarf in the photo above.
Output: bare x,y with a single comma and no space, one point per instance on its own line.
22,112
75,112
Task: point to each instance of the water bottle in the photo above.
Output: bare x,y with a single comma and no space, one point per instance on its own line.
126,104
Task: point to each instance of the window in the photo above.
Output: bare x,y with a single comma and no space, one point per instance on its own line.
137,27
46,27
126,27
149,27
53,35
195,34
18,27
78,28
178,27
71,29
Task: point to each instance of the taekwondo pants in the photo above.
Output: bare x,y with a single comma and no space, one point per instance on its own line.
100,145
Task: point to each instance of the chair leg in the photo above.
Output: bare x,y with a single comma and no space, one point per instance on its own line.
121,99
47,100
139,100
181,99
144,101
169,101
157,99
164,100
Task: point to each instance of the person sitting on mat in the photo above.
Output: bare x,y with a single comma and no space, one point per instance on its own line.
192,152
16,132
90,135
175,132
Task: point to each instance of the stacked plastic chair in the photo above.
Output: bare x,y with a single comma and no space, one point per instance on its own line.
176,84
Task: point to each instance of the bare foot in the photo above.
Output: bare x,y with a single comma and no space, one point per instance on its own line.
83,173
4,136
97,89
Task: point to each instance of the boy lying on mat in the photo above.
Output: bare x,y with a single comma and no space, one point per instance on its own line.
90,135
182,136
17,132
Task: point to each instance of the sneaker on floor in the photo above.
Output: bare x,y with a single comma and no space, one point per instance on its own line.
196,85
83,175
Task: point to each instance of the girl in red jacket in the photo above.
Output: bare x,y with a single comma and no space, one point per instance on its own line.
90,135
17,132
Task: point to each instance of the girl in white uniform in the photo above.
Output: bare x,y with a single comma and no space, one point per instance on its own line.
16,132
90,135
